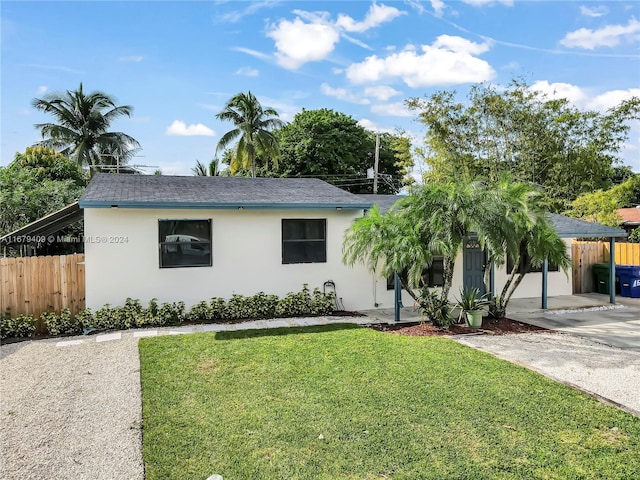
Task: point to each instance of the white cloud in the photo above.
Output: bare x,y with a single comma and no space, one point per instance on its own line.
132,58
483,3
438,7
513,65
181,129
449,61
247,72
377,15
374,127
237,15
558,90
298,42
285,109
607,36
253,53
459,44
583,98
610,99
336,70
397,109
381,92
42,89
312,36
594,12
342,94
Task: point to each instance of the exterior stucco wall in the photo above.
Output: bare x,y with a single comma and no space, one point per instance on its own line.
531,285
247,258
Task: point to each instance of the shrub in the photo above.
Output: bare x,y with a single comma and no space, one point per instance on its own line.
239,306
63,324
436,309
263,305
295,304
19,327
217,308
322,303
171,313
150,315
200,312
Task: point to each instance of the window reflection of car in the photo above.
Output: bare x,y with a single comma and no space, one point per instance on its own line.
187,245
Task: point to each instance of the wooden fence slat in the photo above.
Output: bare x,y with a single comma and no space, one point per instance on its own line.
585,254
32,285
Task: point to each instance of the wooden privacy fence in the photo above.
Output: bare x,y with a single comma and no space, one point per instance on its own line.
33,285
585,254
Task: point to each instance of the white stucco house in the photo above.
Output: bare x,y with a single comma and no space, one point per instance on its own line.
192,238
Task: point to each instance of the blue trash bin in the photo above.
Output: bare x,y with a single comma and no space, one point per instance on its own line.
629,280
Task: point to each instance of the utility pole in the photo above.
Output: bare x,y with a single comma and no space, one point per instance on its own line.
375,165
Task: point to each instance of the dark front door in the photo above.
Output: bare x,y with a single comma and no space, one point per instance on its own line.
473,263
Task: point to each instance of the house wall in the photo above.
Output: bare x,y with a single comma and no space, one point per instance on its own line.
531,285
247,258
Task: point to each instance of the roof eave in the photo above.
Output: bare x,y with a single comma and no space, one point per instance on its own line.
223,206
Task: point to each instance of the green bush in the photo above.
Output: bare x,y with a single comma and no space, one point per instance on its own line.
201,312
19,327
295,304
217,308
63,324
171,313
238,306
322,303
434,308
264,306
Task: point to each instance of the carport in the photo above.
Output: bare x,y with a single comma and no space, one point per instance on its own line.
567,227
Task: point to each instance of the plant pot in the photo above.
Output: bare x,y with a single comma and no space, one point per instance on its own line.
474,318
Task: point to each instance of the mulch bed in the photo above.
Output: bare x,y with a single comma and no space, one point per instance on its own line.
490,326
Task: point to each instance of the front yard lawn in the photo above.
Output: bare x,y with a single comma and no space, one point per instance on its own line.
341,402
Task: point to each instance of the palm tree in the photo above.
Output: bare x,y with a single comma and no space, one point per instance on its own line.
202,170
82,129
436,220
253,130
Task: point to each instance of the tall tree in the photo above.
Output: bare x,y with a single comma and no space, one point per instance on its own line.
546,142
82,129
600,206
333,146
38,182
253,132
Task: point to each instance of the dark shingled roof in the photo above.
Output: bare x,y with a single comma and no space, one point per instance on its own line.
384,202
566,227
160,191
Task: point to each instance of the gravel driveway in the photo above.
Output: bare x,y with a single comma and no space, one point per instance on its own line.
610,372
70,412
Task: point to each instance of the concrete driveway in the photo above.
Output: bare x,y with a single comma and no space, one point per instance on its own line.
615,325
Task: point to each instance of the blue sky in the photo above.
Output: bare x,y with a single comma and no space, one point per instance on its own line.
177,63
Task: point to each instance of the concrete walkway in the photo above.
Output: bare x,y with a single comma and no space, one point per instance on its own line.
589,316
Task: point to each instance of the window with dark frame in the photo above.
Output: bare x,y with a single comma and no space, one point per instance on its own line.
526,261
432,276
304,240
185,243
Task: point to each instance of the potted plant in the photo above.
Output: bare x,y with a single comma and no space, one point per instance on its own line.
471,304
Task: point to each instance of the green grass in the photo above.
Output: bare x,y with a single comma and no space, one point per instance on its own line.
340,402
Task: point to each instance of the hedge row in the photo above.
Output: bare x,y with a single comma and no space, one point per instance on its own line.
133,315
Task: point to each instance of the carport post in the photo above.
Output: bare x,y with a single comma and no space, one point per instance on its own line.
612,270
397,290
545,282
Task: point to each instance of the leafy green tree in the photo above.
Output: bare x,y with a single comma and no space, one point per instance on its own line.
437,218
333,146
253,133
202,170
82,129
38,182
543,141
600,206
